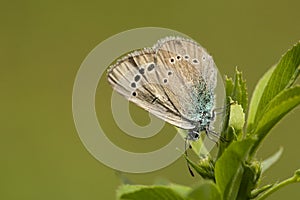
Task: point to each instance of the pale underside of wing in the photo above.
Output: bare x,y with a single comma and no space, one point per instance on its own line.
135,77
174,80
193,53
185,86
194,79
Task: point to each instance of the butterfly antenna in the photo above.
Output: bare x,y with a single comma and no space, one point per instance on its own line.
210,134
186,154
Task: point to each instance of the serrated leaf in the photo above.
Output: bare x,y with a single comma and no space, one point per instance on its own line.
207,190
228,85
137,192
267,163
258,91
283,76
229,168
276,109
239,91
236,90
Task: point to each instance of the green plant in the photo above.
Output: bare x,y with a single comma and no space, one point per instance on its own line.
235,173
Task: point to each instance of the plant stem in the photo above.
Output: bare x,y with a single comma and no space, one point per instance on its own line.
277,186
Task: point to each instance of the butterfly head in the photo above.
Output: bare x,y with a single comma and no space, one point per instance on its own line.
193,135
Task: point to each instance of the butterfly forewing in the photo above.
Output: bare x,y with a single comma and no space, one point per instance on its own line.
174,80
135,77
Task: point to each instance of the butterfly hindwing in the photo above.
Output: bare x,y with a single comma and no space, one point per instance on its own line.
191,52
193,79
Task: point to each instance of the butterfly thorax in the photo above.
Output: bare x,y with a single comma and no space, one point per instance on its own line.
202,125
202,106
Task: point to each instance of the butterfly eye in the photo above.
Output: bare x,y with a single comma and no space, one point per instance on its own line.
186,57
169,73
203,58
196,136
134,94
165,80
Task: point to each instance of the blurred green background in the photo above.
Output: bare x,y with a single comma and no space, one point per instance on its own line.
42,44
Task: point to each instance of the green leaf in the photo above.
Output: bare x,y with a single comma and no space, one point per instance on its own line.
236,90
205,167
225,132
249,181
239,91
283,76
137,192
180,189
258,91
205,191
229,168
229,85
237,117
275,110
267,163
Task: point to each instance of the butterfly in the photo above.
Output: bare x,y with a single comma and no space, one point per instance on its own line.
173,80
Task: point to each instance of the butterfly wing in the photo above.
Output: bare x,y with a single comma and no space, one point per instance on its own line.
174,80
135,77
194,75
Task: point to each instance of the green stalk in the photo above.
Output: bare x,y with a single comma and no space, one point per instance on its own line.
293,179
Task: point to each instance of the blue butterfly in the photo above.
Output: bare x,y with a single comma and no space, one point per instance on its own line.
174,80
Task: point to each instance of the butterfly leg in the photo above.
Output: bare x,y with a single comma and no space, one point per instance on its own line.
210,133
214,111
